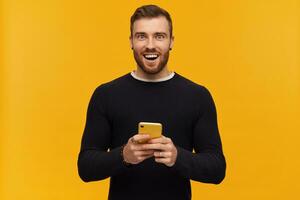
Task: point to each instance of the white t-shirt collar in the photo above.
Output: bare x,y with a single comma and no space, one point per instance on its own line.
171,75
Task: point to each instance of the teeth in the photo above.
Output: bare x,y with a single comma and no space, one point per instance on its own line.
151,56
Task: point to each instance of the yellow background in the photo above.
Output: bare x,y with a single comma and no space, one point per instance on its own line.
55,53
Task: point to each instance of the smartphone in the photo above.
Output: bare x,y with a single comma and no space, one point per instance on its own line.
150,128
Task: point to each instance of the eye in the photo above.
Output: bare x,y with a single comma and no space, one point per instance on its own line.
141,37
160,37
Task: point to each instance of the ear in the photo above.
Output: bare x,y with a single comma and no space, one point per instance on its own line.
131,43
171,42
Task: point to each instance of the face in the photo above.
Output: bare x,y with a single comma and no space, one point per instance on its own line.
151,43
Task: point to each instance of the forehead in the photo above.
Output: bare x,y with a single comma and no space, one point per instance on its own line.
151,25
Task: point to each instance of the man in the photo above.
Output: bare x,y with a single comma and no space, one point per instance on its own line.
162,167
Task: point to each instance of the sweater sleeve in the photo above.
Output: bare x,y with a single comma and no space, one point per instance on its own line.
95,162
208,163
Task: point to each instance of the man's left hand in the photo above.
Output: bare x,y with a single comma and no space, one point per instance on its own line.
164,150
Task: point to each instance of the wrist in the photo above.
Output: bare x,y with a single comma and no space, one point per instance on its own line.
127,164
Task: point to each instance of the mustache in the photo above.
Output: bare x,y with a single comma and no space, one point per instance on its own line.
153,50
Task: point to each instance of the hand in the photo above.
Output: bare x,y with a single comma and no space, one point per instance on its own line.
133,151
164,150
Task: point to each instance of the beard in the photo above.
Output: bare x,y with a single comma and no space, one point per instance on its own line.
161,65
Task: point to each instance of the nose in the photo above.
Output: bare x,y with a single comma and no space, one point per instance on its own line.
150,44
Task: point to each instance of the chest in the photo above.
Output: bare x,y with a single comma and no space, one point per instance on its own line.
175,112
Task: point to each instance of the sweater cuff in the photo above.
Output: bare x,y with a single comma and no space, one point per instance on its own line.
119,165
182,162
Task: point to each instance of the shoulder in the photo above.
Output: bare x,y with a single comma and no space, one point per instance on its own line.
102,92
192,87
106,87
199,93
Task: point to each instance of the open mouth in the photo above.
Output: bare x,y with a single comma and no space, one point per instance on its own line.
151,56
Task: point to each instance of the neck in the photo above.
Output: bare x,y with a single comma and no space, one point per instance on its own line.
163,73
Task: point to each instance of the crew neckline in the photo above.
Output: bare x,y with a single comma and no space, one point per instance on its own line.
170,76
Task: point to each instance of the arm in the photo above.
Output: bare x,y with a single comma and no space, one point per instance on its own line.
208,163
94,160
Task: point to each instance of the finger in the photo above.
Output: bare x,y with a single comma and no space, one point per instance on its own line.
167,140
139,147
136,138
156,146
162,139
141,158
163,160
141,136
162,154
143,153
156,140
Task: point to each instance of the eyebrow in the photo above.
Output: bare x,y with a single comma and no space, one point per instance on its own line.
140,33
156,33
160,33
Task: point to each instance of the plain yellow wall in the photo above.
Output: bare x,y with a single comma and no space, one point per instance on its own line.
55,53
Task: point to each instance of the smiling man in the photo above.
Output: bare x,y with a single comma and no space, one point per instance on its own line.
162,167
151,41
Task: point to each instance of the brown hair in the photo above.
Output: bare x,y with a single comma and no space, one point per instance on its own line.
150,11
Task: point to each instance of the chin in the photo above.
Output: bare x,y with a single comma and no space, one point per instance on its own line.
151,70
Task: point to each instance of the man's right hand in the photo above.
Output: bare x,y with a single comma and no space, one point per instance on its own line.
133,152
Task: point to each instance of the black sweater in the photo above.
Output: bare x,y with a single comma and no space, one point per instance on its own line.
188,115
